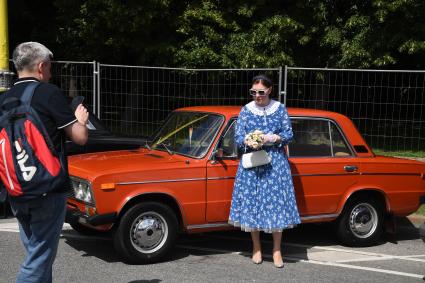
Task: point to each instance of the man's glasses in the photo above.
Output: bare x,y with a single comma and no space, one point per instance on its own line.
260,92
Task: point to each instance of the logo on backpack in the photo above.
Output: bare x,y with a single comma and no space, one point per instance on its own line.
29,164
22,157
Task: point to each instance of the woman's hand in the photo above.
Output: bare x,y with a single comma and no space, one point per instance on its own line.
271,138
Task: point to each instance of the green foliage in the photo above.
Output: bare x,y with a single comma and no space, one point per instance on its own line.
218,33
117,31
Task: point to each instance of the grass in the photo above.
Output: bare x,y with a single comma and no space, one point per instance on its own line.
421,210
404,153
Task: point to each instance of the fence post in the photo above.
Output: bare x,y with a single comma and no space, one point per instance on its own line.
285,77
95,73
98,90
279,93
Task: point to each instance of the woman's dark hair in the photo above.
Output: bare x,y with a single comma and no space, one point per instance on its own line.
266,81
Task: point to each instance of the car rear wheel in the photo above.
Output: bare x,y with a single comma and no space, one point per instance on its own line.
146,233
361,222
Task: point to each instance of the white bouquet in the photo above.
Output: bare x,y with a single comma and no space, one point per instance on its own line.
255,139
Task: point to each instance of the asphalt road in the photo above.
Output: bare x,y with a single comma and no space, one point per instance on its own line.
311,255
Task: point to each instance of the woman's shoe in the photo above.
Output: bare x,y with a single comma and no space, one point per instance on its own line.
278,263
257,259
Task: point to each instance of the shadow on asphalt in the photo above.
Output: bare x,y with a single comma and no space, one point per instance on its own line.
146,281
299,239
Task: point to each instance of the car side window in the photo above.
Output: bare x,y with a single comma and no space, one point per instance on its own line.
227,142
316,138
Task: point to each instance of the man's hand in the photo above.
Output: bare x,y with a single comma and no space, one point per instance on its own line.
81,114
78,131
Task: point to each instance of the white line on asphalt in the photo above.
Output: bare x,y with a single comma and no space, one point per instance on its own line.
14,227
328,263
373,255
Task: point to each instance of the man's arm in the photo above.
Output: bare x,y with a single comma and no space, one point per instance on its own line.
77,131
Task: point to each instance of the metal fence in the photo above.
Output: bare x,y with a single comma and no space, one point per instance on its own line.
387,106
135,100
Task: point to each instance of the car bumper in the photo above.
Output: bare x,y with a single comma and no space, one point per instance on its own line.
75,216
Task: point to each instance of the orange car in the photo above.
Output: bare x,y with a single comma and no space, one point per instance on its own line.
183,181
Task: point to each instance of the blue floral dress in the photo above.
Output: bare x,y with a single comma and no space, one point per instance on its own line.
263,197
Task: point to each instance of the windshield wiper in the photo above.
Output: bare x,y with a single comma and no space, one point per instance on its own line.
166,148
147,146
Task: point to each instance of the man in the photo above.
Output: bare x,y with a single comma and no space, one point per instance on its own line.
41,219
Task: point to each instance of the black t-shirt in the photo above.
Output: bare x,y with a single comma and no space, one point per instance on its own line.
52,108
50,104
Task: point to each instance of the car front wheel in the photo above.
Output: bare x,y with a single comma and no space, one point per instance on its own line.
361,222
146,233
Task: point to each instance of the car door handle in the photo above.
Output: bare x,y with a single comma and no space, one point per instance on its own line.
350,168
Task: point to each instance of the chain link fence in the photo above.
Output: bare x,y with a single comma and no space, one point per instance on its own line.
387,106
136,100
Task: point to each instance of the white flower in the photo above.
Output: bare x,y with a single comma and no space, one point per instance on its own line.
255,139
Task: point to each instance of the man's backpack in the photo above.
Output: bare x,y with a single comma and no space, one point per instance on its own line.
29,164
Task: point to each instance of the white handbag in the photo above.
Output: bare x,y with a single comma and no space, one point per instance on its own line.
255,158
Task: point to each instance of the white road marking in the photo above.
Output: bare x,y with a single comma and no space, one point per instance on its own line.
371,255
14,227
328,263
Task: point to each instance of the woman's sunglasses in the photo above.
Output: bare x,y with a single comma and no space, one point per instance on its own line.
260,92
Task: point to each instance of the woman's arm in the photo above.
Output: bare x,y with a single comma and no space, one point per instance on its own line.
240,131
285,131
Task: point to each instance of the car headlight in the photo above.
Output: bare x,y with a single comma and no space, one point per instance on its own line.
82,190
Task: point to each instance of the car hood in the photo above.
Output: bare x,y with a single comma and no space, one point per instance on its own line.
121,162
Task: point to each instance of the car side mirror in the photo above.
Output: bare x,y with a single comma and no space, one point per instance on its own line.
217,154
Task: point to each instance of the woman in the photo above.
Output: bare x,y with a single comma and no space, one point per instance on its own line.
263,197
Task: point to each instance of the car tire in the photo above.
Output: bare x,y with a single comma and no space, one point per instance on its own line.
146,233
361,222
84,230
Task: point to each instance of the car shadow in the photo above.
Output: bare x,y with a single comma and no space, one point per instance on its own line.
296,243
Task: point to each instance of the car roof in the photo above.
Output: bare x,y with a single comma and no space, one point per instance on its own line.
234,111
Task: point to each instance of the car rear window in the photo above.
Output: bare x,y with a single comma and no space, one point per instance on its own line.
317,138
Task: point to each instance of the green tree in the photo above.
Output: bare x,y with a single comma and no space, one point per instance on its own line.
219,33
121,32
329,33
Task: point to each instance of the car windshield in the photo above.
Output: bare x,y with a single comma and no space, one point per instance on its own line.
188,133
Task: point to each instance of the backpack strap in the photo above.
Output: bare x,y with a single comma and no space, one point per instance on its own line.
29,92
26,98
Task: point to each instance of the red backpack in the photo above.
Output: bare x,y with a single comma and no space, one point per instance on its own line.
29,164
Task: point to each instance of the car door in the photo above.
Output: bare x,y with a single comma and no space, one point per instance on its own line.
323,166
221,176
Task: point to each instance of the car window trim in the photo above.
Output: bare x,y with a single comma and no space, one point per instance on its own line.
219,115
350,148
229,124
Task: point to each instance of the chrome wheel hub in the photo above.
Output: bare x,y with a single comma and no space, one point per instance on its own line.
363,220
149,232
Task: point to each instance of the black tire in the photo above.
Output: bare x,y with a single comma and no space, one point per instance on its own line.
157,225
84,230
361,222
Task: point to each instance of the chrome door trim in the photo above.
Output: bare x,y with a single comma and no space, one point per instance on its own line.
325,174
221,178
209,225
319,216
161,181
